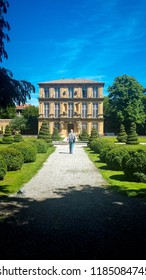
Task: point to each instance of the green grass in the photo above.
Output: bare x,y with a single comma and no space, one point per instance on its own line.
142,139
14,180
116,179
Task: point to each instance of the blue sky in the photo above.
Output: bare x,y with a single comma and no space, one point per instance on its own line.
96,39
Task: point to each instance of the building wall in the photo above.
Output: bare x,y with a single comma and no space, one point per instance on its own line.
77,122
3,124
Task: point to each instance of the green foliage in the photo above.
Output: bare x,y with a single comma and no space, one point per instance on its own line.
114,158
3,26
97,145
7,138
55,135
31,114
18,123
13,158
135,167
18,137
125,102
105,149
132,137
44,133
122,136
28,150
40,144
3,168
84,136
7,113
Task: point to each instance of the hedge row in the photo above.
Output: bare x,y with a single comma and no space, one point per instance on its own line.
129,159
13,157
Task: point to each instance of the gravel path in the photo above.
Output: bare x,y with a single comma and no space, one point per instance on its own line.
67,212
63,170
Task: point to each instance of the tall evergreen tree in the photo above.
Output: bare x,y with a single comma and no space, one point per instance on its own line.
44,132
4,25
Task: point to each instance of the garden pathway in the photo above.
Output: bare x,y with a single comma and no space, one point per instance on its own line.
68,212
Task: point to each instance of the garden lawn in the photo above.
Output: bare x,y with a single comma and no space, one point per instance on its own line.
14,180
116,179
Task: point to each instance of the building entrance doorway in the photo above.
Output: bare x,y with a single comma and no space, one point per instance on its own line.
70,126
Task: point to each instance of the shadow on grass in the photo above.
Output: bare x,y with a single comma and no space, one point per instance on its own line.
4,189
86,223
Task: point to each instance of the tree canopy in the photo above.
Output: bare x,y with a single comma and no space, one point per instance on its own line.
3,25
125,101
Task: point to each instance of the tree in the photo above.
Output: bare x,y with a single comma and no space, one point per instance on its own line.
31,115
18,123
126,101
55,134
12,91
84,136
3,25
7,138
122,136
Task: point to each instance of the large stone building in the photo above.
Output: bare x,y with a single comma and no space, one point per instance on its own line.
71,104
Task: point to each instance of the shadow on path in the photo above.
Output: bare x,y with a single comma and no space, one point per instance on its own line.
90,223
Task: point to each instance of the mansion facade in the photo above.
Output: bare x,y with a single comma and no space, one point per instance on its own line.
71,104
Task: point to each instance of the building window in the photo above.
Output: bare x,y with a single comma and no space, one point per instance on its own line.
95,110
84,126
57,92
46,92
57,110
71,92
95,92
56,125
46,110
84,92
84,110
70,110
95,126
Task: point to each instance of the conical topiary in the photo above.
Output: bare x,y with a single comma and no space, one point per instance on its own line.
7,138
132,137
122,136
18,137
55,135
84,136
44,132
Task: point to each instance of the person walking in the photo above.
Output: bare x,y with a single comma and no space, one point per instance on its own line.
71,139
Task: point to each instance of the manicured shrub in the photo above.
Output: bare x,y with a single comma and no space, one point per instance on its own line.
98,144
13,158
135,167
40,144
122,136
55,135
103,152
94,134
132,137
84,136
28,150
7,138
114,158
44,133
18,137
3,168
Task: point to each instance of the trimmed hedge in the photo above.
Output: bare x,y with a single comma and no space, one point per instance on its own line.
104,151
135,167
28,150
18,137
114,158
40,144
3,168
7,138
13,158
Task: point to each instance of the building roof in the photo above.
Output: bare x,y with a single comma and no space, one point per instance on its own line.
72,81
22,107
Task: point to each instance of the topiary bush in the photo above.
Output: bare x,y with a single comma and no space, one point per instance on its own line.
18,137
7,138
13,158
40,144
114,158
44,133
84,136
55,135
27,149
135,167
132,137
94,135
3,168
103,152
122,136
